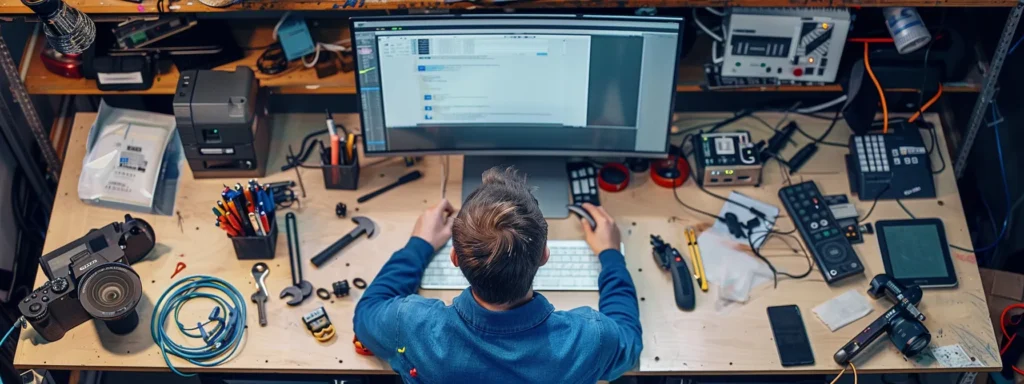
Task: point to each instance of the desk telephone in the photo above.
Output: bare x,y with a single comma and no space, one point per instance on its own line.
890,166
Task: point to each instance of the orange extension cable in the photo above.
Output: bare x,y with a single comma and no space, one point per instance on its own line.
926,105
881,94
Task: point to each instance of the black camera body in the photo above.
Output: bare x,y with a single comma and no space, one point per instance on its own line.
903,322
91,278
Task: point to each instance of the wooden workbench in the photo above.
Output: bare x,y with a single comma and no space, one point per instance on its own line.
708,340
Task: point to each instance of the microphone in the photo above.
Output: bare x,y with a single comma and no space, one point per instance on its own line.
67,29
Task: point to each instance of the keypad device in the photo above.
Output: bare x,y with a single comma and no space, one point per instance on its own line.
890,166
583,183
871,153
824,237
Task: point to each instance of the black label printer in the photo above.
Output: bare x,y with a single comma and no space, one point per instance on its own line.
222,119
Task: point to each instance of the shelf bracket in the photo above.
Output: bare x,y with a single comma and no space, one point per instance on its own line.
988,88
12,90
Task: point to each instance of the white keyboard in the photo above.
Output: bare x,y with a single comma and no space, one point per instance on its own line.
571,267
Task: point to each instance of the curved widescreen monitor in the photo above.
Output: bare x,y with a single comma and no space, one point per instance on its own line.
545,85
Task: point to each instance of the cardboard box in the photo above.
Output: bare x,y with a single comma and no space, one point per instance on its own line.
1001,290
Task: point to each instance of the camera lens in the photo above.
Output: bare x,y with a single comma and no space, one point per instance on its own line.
910,336
110,293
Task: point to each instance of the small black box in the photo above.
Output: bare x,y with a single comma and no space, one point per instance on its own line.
124,73
340,176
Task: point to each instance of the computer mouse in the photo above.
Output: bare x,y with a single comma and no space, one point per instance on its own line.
579,211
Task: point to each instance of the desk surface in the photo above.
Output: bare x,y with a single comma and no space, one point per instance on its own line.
708,340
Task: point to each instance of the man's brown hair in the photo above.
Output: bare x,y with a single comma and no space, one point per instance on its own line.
499,237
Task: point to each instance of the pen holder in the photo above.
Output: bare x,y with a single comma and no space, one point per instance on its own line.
340,176
256,247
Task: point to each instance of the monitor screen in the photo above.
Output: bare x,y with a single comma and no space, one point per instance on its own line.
516,85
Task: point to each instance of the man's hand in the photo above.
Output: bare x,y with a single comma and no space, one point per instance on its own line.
435,225
606,235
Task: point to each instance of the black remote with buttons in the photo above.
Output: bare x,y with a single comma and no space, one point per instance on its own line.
822,234
582,183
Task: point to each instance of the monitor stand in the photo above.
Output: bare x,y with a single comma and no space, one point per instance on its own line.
547,174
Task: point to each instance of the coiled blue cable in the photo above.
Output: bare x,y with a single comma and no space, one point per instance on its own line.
221,341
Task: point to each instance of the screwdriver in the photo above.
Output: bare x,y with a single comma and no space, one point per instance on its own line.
411,176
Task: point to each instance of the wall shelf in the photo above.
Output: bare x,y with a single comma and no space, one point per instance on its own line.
14,7
300,80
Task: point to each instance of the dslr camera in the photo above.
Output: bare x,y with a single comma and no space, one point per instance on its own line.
902,322
91,278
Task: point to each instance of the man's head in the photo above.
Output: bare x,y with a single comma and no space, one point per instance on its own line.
500,238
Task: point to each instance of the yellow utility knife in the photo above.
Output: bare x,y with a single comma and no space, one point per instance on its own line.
698,263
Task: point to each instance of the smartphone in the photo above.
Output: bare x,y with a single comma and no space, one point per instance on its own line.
790,336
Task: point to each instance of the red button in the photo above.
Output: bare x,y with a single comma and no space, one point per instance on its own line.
679,259
798,72
413,373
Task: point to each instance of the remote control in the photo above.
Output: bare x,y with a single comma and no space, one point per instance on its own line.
822,234
583,183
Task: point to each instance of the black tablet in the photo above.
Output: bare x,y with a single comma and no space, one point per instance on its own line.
916,252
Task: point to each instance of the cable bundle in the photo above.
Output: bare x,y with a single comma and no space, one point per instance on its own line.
221,341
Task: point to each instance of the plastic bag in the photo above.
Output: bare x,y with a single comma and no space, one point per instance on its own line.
733,272
133,161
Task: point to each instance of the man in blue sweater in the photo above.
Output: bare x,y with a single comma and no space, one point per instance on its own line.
499,330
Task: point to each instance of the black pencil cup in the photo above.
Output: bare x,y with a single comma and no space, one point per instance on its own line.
256,247
340,176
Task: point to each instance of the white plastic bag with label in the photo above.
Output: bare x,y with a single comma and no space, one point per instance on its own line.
125,158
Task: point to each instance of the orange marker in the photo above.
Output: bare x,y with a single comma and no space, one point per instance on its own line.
234,222
248,197
335,149
227,228
335,140
231,206
221,207
223,220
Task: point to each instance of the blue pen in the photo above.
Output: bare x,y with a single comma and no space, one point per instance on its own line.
266,213
271,205
262,196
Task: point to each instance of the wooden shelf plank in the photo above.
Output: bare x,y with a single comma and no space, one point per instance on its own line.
13,7
299,80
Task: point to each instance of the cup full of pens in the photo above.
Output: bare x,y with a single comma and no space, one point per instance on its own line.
246,214
340,163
